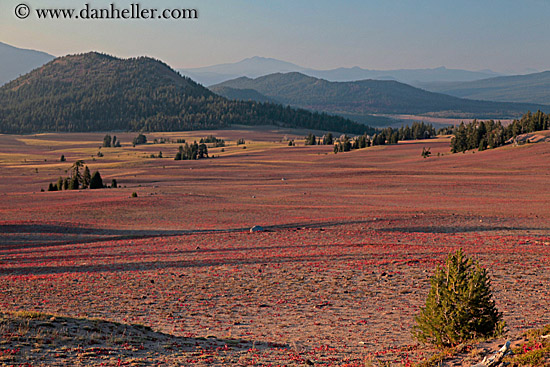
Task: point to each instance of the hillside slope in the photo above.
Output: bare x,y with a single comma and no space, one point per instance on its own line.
530,88
370,96
97,92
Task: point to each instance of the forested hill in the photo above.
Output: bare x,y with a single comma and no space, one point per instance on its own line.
97,92
370,96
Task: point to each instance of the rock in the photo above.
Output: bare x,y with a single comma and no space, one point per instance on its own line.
256,229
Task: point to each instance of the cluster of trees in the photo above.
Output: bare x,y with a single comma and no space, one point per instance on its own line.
384,136
211,139
192,151
79,180
140,139
138,94
109,142
162,141
483,135
241,141
345,144
418,131
327,139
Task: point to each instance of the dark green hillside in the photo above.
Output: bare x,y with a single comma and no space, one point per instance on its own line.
370,96
243,95
96,92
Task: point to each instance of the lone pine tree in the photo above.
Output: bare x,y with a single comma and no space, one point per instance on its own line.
459,306
96,182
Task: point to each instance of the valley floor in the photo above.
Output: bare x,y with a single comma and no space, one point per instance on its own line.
337,276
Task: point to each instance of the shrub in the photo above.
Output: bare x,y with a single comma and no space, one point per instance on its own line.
134,194
459,306
426,153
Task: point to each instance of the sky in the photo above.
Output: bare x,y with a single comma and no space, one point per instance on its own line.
502,35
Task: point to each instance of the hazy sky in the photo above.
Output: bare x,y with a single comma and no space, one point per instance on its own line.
502,35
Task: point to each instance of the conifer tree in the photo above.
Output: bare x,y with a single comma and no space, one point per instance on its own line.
328,139
459,306
96,181
86,177
107,141
311,139
74,184
76,171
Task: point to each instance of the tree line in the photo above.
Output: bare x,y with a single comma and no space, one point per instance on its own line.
483,135
389,135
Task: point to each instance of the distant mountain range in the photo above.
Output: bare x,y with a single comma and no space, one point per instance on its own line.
97,92
365,97
15,62
530,88
259,66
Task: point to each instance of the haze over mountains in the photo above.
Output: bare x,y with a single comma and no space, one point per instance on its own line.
530,88
97,92
365,97
259,66
15,62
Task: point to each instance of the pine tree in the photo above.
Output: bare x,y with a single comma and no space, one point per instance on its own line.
76,171
202,151
96,181
459,306
311,139
328,139
107,141
140,139
86,177
74,184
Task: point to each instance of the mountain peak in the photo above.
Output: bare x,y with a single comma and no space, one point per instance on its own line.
97,92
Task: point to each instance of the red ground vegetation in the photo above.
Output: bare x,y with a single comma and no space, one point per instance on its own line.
339,273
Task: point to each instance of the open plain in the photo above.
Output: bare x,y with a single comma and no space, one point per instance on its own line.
335,278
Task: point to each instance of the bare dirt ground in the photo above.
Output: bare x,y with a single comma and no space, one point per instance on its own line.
335,279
